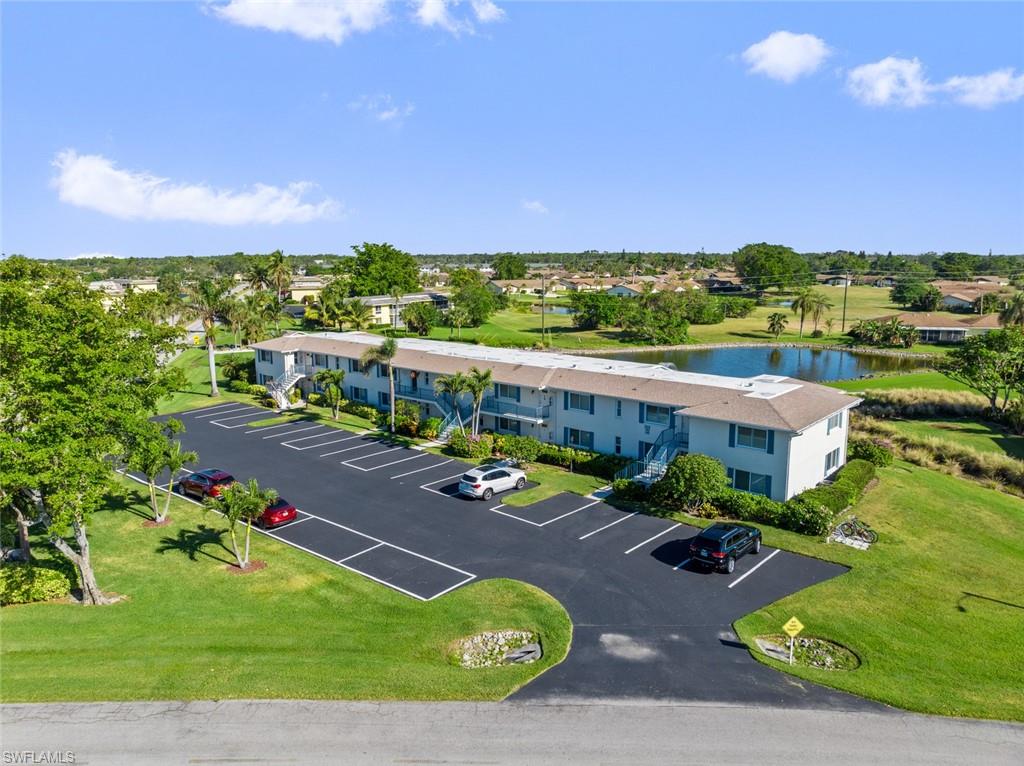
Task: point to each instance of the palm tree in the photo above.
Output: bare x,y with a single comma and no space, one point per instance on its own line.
383,354
457,317
1013,311
453,386
477,383
830,324
175,458
819,306
777,323
358,315
803,303
242,502
256,275
235,313
396,296
279,271
205,301
331,381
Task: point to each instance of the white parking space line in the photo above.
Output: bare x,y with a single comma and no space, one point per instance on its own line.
293,523
322,444
365,550
655,537
272,428
570,513
270,533
248,408
221,421
370,443
496,509
418,470
350,462
305,438
289,433
288,442
384,451
437,492
211,410
607,526
753,569
385,465
683,563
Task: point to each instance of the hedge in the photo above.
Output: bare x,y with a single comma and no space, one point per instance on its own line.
24,583
871,450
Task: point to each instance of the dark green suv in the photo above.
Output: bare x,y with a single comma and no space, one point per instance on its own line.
720,545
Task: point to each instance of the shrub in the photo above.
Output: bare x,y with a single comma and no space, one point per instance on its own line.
580,461
745,506
627,489
360,410
257,390
430,428
923,403
476,447
407,418
238,386
872,450
818,334
691,481
801,514
522,448
857,472
316,399
25,583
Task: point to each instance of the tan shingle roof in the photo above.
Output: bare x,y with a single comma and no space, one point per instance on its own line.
765,400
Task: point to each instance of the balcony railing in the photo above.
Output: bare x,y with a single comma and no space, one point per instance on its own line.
494,406
423,393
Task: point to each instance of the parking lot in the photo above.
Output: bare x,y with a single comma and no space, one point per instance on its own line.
648,623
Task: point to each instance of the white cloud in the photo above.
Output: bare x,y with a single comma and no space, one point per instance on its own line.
94,182
891,81
332,20
534,206
986,90
383,108
486,11
437,13
786,56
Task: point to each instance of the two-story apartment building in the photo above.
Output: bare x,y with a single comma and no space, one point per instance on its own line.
776,436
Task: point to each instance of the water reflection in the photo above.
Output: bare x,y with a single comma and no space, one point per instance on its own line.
806,363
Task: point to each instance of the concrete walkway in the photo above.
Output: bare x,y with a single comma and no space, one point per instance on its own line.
255,732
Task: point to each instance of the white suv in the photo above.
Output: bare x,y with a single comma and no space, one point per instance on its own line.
484,481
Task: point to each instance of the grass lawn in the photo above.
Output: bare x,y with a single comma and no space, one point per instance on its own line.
322,415
934,610
979,435
933,380
551,481
301,628
196,392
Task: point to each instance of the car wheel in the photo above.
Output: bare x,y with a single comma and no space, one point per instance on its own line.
520,483
730,565
757,545
488,493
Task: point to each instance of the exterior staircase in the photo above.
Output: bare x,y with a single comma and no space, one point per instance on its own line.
279,389
653,465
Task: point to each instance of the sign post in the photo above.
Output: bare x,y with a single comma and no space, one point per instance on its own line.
792,629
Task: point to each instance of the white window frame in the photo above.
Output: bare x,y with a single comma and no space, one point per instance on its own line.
832,459
505,425
834,421
752,478
588,398
506,392
578,442
657,421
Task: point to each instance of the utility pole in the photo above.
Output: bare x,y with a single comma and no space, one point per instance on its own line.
846,290
543,308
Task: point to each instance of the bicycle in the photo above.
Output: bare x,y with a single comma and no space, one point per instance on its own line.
855,528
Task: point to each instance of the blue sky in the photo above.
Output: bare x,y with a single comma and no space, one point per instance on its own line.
153,129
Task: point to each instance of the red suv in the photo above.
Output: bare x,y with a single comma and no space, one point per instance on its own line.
206,483
278,513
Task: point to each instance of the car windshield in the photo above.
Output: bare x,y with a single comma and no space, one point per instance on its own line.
470,478
279,503
226,478
705,542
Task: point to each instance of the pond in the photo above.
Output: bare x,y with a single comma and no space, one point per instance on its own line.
551,308
815,364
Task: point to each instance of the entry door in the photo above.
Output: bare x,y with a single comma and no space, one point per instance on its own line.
643,449
289,363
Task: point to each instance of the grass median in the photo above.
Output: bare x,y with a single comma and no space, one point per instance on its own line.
300,628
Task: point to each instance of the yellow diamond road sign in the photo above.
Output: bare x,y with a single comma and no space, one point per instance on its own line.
793,627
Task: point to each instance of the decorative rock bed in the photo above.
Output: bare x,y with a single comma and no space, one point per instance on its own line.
812,652
497,647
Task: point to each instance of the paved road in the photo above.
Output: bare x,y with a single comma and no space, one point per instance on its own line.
647,626
243,732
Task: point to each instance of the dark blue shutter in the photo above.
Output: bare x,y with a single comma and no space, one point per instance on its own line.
672,421
592,397
768,486
642,412
771,442
565,435
565,400
729,472
732,434
517,393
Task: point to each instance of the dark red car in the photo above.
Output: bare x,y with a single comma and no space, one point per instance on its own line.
278,513
206,483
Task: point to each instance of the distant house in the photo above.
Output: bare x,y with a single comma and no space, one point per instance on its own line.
961,295
882,282
716,283
384,308
551,287
626,290
834,280
580,284
306,287
990,279
142,284
938,327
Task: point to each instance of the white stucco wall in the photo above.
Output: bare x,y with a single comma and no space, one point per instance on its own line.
807,451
